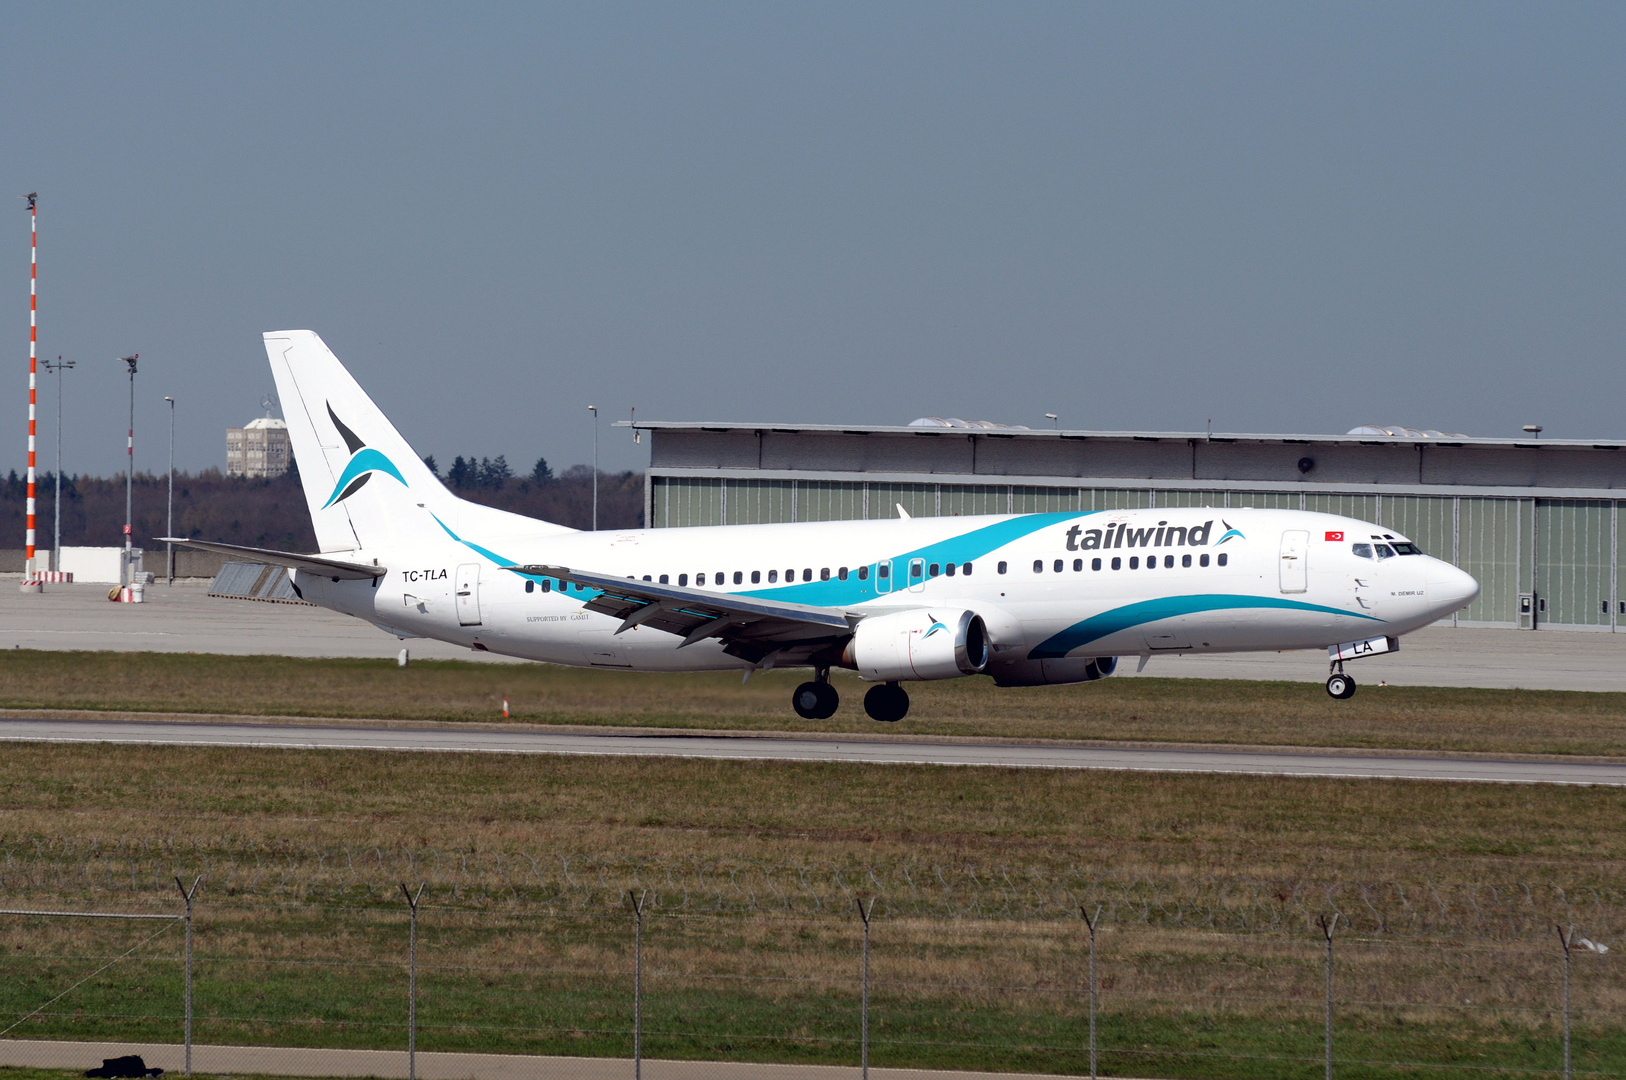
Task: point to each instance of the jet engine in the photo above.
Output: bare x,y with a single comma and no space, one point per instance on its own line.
1066,669
919,644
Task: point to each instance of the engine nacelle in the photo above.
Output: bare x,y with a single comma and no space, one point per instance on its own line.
1066,669
909,645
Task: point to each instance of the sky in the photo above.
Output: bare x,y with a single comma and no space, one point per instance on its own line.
1278,218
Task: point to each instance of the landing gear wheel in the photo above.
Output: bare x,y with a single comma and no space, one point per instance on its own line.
815,701
1341,686
887,703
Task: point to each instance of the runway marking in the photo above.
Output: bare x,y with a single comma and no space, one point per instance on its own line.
1311,764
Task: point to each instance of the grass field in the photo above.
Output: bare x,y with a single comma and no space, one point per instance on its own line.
975,992
1153,710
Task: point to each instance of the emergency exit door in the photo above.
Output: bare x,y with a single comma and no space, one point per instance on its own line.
468,594
1295,549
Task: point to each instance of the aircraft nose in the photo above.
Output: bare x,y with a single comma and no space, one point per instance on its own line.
1448,587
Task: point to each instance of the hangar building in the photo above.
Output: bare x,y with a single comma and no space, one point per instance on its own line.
1537,521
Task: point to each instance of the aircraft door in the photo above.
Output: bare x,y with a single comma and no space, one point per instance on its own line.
883,577
1295,549
468,594
917,575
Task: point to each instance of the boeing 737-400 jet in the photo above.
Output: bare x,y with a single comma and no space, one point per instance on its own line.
1027,599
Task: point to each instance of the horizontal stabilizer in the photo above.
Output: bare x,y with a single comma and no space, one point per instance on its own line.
313,564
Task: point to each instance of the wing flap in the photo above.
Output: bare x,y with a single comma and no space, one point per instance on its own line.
694,614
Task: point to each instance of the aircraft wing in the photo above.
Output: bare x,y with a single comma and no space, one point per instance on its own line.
314,564
752,627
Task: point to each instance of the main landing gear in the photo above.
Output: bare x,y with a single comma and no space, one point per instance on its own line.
887,702
816,700
1339,685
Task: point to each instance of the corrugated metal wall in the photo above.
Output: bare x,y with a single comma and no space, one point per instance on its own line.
1565,551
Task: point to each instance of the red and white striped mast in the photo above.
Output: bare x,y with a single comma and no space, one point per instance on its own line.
33,341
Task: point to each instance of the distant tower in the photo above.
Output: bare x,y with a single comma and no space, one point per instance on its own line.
259,449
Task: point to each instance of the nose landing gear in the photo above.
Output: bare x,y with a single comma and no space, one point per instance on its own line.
816,700
1339,685
887,703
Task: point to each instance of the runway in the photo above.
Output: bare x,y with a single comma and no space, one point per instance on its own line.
533,740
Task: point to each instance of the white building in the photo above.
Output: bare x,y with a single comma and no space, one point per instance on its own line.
258,449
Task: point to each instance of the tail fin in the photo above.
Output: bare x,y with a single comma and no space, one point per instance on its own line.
365,486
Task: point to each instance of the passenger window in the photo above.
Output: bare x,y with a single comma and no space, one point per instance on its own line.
1385,552
1002,567
933,570
842,573
950,568
756,577
666,579
790,575
965,568
1095,564
863,573
1168,562
1117,563
580,586
739,578
1078,564
824,574
530,586
884,571
1202,560
1134,562
1223,559
1185,560
718,578
1038,566
1362,551
683,579
547,585
915,568
807,574
646,577
773,576
1057,565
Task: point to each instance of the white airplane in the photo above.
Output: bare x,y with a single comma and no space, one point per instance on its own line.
1028,599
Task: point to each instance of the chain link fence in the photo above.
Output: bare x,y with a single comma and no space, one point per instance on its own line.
969,967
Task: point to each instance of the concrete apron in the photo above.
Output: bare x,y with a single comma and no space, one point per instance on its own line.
392,1064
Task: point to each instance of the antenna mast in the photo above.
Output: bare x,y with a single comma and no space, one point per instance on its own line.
33,339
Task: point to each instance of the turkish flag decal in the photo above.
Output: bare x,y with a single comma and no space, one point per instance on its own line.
1335,536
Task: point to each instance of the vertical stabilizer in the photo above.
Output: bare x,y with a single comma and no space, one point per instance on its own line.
365,486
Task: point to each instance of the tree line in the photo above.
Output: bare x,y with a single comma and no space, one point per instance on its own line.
210,505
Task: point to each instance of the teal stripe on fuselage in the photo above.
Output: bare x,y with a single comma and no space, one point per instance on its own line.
967,547
1111,622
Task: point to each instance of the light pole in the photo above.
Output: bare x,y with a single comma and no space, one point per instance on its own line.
169,522
1052,417
1533,430
56,528
129,474
594,410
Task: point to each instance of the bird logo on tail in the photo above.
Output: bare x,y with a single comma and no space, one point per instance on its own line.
364,462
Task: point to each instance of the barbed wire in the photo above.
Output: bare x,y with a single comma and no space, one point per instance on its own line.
144,870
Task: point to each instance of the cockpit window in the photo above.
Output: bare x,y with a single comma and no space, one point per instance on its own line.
1407,549
1363,551
1384,551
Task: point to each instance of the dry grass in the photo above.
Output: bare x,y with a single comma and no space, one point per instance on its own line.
1158,710
1169,825
966,992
